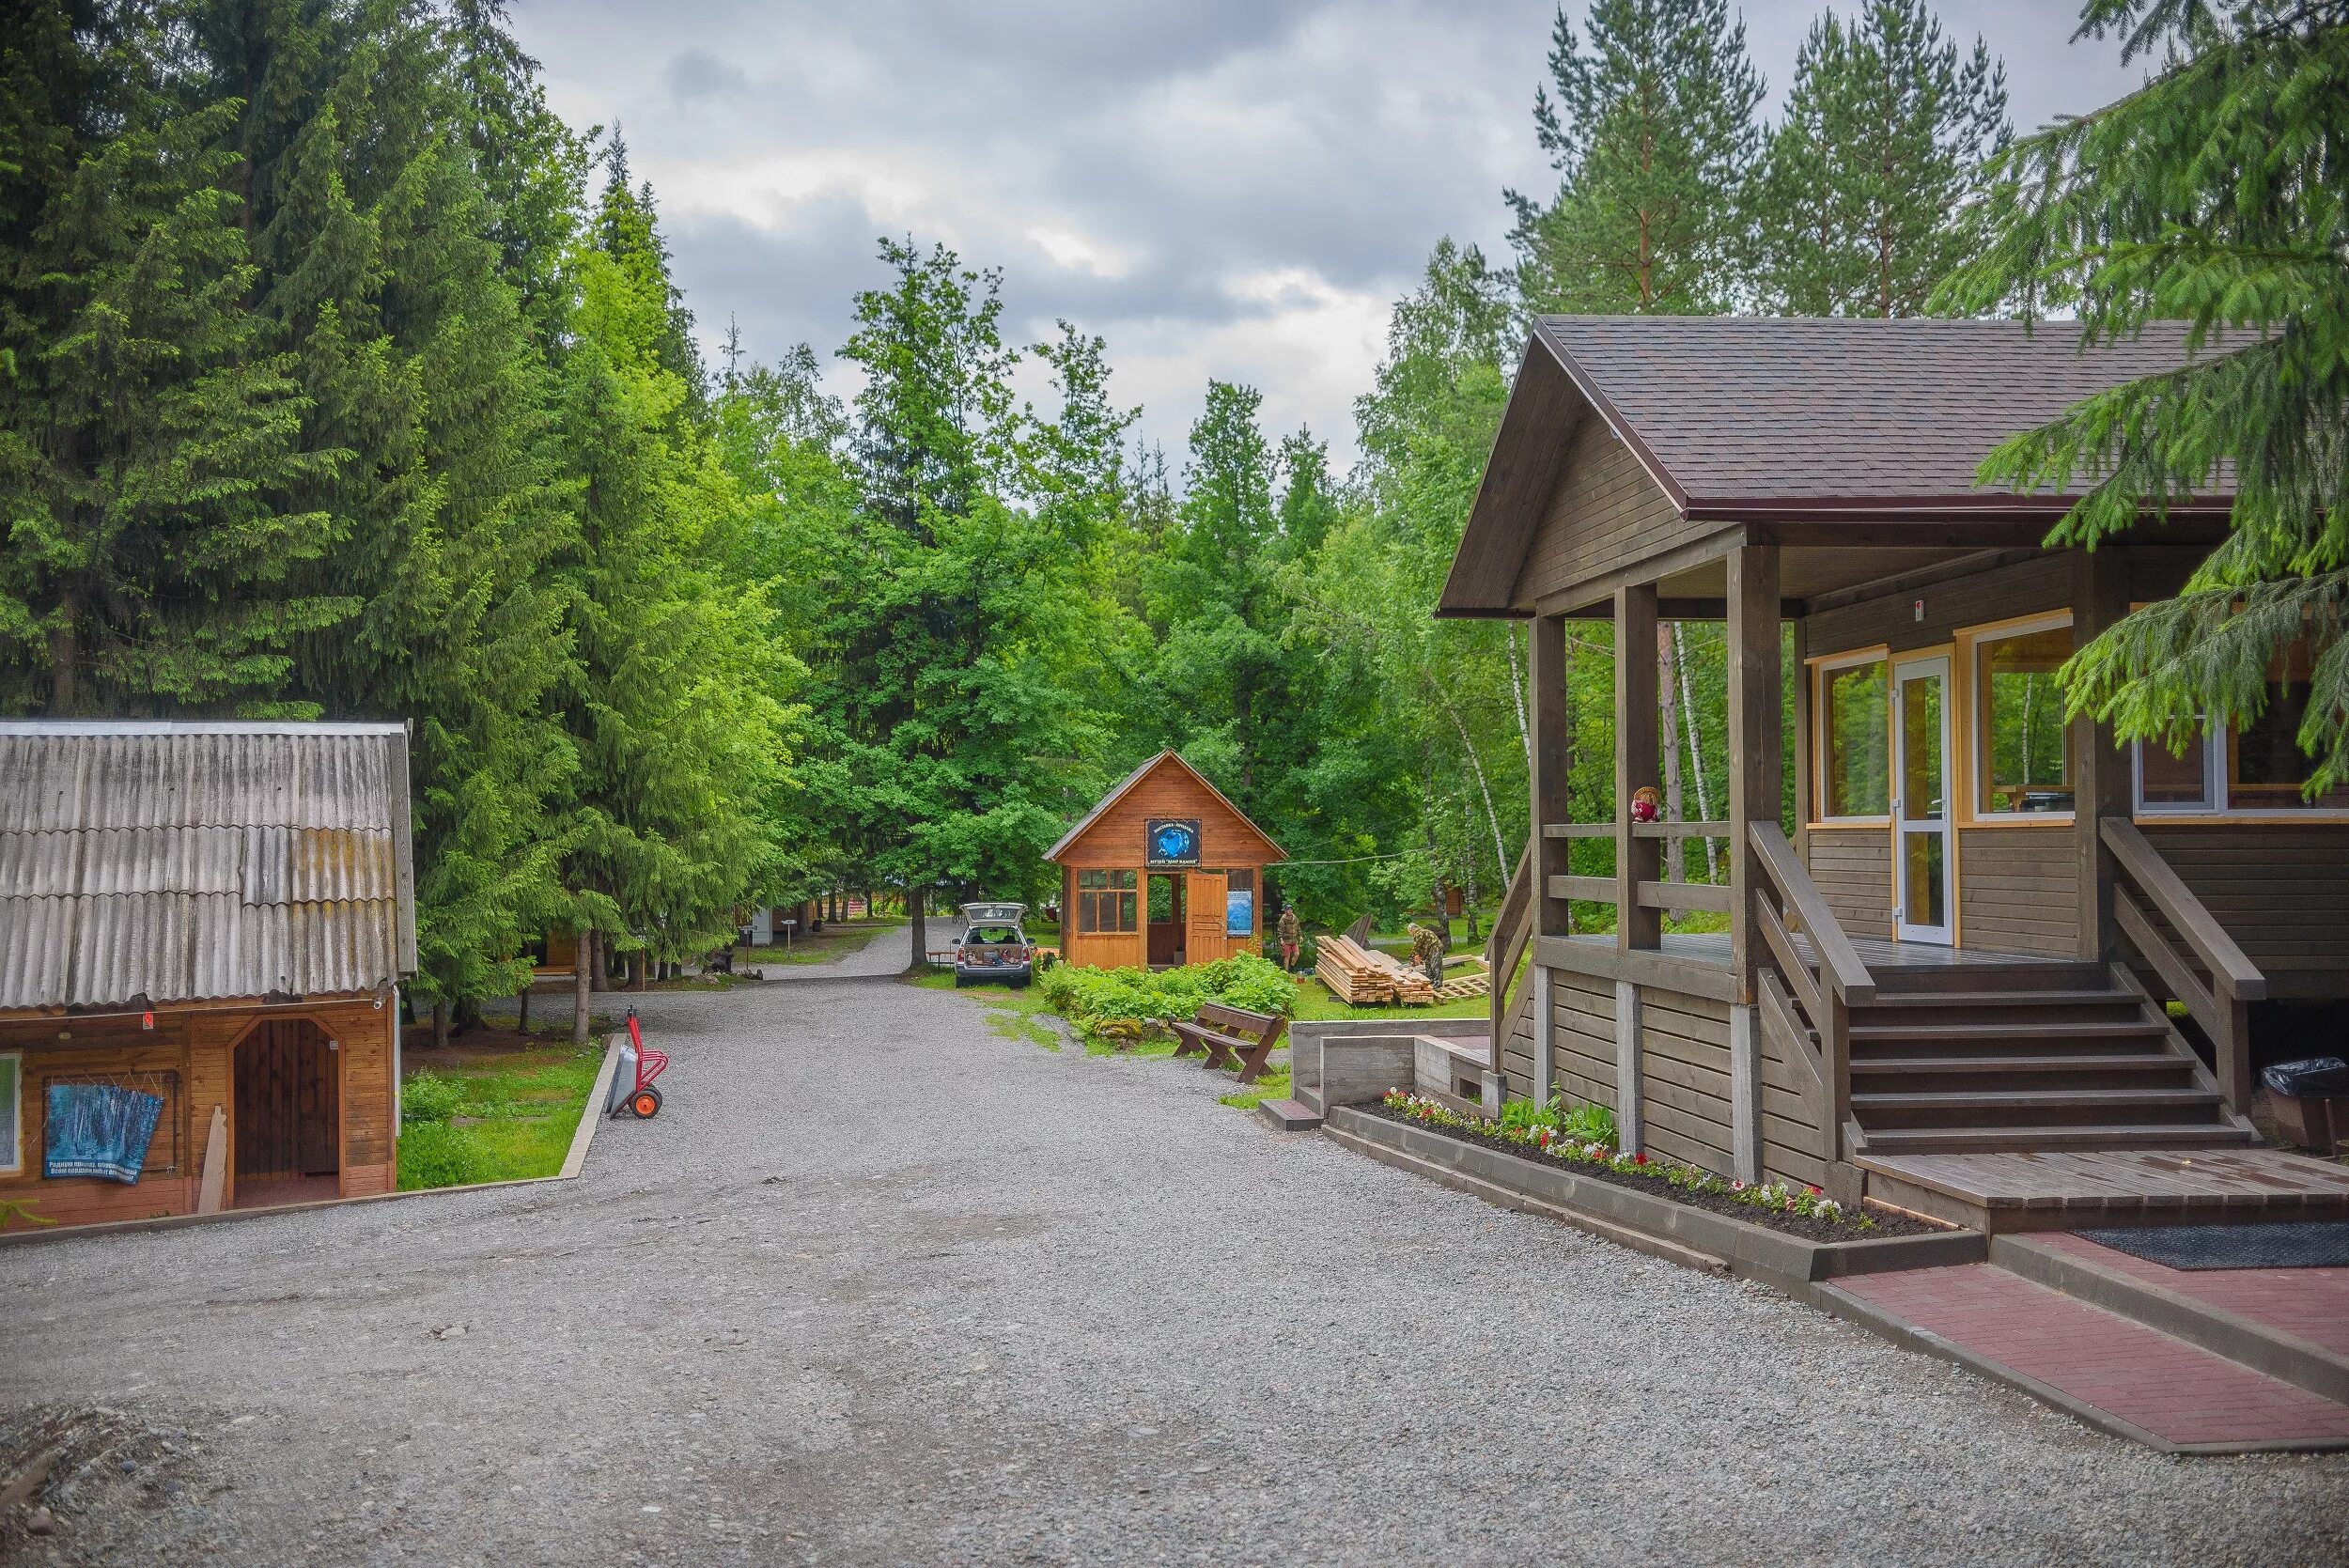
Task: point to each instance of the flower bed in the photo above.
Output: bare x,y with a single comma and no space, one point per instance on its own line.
1803,1211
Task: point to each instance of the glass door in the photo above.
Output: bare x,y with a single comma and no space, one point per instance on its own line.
1921,891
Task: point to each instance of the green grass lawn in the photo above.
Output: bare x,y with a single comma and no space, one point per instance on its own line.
504,1119
836,941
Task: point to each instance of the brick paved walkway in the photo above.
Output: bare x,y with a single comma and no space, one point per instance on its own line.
2178,1392
2309,1303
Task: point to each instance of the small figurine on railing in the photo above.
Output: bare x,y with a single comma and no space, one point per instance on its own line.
1646,805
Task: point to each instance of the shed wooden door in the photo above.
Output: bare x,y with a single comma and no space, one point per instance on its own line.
289,1108
1204,940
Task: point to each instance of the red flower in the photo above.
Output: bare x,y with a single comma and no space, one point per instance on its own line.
1815,1192
1638,1159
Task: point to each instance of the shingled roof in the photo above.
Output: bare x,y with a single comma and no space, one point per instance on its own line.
197,862
1755,419
1732,411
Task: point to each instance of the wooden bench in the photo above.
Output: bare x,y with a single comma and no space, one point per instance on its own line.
1232,1037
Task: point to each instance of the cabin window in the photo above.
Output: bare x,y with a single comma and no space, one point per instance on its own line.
2024,743
1105,901
2266,769
1854,739
2183,780
12,1111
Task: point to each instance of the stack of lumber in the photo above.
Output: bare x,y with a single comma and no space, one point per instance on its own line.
1363,976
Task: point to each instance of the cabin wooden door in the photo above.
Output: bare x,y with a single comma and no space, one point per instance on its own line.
288,1105
1205,937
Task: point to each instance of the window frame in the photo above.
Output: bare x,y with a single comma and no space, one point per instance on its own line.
1822,667
1971,641
1110,892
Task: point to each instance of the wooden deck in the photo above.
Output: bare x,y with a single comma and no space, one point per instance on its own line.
2049,1190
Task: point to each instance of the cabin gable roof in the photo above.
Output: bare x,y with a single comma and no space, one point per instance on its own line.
1747,419
1133,781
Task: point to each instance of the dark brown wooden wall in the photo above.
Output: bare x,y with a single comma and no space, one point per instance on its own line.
2281,891
1604,513
1853,867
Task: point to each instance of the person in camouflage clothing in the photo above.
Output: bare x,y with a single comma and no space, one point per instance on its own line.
1427,951
1291,935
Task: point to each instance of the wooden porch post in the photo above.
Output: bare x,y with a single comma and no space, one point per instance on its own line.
2100,786
1546,669
1638,764
1756,777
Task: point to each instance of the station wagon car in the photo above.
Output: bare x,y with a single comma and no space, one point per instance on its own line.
993,946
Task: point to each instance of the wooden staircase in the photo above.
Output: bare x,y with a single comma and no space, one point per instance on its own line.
2032,1056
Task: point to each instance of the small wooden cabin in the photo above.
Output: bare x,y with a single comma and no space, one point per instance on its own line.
1164,870
1950,958
217,916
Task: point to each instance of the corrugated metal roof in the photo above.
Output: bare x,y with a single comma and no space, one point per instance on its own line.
187,862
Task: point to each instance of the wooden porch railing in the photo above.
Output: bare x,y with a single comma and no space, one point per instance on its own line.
1504,949
1820,988
1671,896
2194,956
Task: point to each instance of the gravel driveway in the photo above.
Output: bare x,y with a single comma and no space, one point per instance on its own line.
879,1285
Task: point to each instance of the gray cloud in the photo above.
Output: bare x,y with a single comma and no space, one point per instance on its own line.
1235,188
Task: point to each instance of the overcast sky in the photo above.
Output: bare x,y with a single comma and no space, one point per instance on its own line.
1228,188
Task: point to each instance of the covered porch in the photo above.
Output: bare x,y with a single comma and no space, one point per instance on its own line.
1950,924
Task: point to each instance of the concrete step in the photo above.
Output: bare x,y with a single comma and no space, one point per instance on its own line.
1288,1115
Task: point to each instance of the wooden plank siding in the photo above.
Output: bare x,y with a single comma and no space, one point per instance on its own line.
2280,890
2025,588
1604,513
191,1056
2018,891
1683,1067
1853,867
1112,842
1583,1011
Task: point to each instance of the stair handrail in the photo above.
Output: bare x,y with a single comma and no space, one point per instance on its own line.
1827,985
1512,930
2221,1007
1839,963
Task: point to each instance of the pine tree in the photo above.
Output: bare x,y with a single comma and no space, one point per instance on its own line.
1872,187
2218,194
1653,135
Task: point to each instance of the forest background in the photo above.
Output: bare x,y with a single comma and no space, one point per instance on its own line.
338,376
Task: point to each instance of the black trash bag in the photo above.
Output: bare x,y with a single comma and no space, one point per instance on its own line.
2315,1074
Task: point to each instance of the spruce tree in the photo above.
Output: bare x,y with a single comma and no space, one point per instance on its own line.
1870,192
2217,194
158,472
1653,135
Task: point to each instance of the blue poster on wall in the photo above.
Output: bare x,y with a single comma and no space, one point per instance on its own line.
1169,842
97,1129
1239,912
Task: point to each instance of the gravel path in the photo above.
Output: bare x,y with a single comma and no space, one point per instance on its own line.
880,1285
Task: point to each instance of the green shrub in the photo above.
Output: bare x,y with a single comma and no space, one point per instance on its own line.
427,1097
1115,1001
1524,1116
1587,1124
435,1153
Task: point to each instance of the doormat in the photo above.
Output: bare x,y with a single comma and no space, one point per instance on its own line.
2312,1244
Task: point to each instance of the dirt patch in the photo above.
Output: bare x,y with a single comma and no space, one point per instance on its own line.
90,1484
1656,1186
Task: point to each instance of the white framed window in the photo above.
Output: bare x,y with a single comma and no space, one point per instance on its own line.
11,1113
2188,783
2022,739
1852,713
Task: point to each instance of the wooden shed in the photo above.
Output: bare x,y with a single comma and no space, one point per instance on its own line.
201,925
1947,972
1164,870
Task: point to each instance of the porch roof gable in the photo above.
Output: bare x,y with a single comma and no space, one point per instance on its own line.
1750,419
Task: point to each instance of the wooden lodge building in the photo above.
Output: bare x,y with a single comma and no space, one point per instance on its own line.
214,917
1947,983
1164,870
